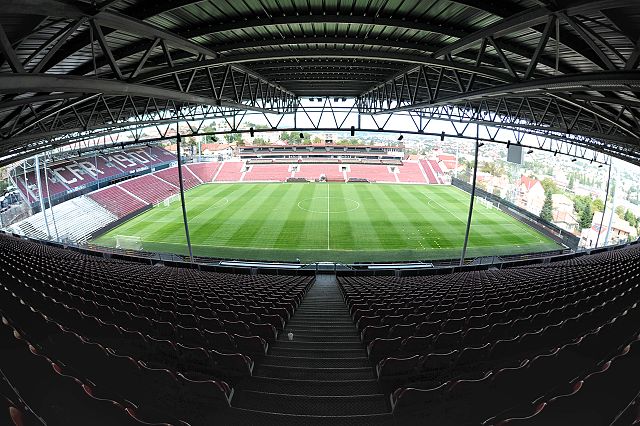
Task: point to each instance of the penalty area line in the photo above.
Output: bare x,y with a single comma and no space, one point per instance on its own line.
328,217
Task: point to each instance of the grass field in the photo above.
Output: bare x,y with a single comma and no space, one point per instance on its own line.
329,222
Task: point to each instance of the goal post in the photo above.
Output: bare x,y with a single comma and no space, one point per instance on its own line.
170,200
485,202
128,242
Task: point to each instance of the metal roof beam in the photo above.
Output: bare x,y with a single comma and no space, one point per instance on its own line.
323,54
8,52
60,83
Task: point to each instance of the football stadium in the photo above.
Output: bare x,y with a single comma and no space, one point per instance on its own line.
287,212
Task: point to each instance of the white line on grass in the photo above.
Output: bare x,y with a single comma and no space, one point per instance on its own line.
443,208
328,216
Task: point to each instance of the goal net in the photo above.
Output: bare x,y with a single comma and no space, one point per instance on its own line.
488,204
127,242
168,201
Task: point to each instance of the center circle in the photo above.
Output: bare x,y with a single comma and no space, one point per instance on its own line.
349,205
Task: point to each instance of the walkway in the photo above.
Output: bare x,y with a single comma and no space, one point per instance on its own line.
321,377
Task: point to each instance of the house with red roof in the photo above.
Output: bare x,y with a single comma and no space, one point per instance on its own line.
530,195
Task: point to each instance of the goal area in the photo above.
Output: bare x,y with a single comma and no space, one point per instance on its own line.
170,200
128,242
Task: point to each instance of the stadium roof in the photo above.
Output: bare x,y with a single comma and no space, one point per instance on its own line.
565,66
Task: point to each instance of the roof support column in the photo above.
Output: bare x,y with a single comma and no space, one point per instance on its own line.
473,196
184,209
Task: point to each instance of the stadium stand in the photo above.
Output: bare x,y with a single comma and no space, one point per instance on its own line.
205,171
171,175
429,171
75,220
230,171
435,166
79,173
168,345
150,188
374,173
113,202
273,172
165,343
410,172
108,168
117,201
491,340
313,172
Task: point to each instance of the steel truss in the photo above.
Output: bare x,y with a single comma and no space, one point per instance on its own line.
545,96
37,105
329,116
165,76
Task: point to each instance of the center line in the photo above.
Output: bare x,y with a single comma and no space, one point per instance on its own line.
328,216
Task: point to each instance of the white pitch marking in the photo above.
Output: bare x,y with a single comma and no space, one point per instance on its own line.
328,216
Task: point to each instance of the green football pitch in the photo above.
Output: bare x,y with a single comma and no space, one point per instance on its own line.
328,222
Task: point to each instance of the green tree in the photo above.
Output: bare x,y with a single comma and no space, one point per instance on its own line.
572,182
293,138
580,203
260,141
620,212
597,205
586,217
547,208
549,185
630,217
493,168
233,137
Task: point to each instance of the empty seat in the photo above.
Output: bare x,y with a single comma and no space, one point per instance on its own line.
383,348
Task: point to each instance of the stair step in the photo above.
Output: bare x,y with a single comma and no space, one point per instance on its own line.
301,337
317,323
321,377
338,336
329,328
311,404
300,344
332,373
242,416
335,316
307,362
311,387
301,328
318,353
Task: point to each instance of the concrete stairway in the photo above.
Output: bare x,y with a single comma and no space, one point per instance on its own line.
322,376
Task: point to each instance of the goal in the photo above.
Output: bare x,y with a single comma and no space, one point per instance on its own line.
127,242
168,201
487,203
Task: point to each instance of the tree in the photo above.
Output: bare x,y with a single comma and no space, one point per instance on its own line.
493,168
620,212
549,185
630,217
547,208
293,138
586,217
348,142
233,137
572,182
260,141
597,205
580,203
